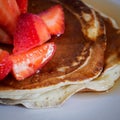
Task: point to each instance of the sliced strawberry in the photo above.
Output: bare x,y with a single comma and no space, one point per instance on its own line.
9,13
30,32
4,37
23,4
54,19
5,64
27,63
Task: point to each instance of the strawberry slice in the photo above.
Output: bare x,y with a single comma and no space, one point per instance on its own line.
23,4
9,13
5,64
27,63
4,37
54,19
30,32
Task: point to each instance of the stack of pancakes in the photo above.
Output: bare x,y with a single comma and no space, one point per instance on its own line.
87,59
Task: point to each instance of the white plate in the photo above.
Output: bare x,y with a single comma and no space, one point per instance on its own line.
82,106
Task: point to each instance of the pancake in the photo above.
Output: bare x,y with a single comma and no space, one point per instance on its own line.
78,60
104,82
111,71
76,52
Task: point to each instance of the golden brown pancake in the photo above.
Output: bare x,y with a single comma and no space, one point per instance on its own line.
111,71
76,52
78,60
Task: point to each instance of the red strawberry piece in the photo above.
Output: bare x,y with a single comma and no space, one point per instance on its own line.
54,19
5,64
9,13
4,37
30,32
23,4
27,63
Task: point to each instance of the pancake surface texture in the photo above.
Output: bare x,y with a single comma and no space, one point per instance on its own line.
79,63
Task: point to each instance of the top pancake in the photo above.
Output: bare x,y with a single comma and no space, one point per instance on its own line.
80,50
